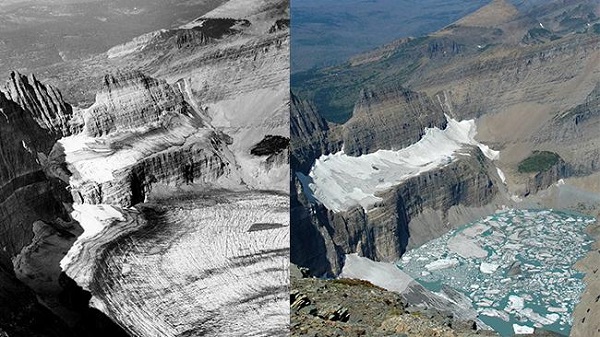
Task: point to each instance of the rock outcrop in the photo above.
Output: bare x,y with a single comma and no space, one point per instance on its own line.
131,100
311,136
389,118
410,214
359,308
43,102
32,213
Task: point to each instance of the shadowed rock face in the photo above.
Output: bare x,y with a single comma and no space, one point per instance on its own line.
44,102
270,145
33,204
311,136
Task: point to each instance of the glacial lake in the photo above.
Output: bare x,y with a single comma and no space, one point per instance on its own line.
516,266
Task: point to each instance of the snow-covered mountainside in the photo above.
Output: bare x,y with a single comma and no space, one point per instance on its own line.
132,195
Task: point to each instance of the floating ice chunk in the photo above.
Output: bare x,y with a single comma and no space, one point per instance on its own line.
442,264
515,303
556,309
537,318
488,268
495,313
522,329
465,247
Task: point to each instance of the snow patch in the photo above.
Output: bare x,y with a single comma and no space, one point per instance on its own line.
93,219
383,274
501,175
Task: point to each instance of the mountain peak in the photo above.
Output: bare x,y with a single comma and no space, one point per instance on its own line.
495,13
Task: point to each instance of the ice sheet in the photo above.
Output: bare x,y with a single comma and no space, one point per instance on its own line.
340,181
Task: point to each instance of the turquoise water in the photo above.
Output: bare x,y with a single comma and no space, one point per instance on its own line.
516,266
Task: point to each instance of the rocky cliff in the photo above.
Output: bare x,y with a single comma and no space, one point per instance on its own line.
43,102
141,100
389,118
311,135
140,132
411,213
32,204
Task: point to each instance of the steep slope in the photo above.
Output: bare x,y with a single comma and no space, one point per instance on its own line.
495,13
528,83
389,118
167,140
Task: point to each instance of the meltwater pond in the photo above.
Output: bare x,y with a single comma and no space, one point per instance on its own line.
515,265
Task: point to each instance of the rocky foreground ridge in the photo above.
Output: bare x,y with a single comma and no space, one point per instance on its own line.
351,307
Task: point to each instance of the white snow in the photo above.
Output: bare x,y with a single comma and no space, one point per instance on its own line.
442,264
95,166
340,181
488,268
515,303
382,274
501,175
93,219
523,329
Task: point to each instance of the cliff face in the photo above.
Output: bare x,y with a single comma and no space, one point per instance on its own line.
140,132
23,185
43,102
310,134
389,118
410,214
26,196
131,100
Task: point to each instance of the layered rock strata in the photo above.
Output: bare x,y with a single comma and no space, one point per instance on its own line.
393,225
389,118
43,102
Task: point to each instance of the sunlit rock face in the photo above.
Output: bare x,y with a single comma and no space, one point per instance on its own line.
140,132
139,99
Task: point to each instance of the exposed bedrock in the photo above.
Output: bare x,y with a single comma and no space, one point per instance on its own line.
411,213
26,195
34,221
540,74
179,165
389,118
310,135
43,102
139,99
542,180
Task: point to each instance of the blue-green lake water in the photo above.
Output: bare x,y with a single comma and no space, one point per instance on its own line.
515,265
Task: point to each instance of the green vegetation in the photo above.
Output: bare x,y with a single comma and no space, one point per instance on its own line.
538,161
